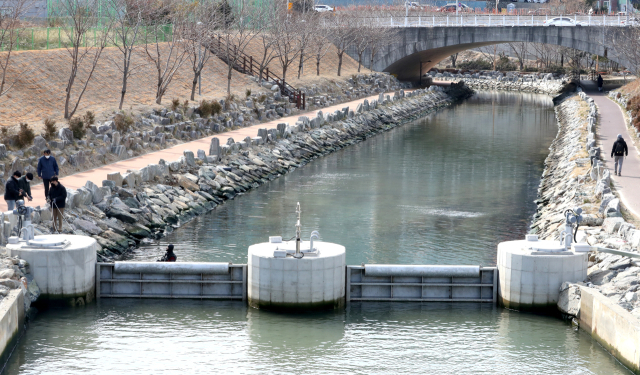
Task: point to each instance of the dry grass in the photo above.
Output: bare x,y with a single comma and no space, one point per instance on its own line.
632,88
40,92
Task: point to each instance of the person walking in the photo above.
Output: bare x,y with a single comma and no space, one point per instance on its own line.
618,152
57,198
12,191
600,82
47,168
25,185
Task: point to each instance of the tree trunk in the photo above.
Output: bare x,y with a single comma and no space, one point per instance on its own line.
339,63
317,67
124,90
301,64
360,60
193,86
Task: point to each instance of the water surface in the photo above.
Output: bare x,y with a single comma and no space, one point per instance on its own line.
443,190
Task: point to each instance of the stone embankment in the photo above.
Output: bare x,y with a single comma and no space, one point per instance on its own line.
622,100
575,177
146,203
123,136
537,83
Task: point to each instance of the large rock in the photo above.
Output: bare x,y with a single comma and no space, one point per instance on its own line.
189,158
121,215
214,147
187,183
87,226
605,202
96,193
137,230
40,143
612,224
569,299
83,197
600,277
129,179
115,177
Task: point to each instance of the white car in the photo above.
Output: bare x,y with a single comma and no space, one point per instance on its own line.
323,8
562,21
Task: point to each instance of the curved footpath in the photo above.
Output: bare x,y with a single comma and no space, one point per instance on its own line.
97,175
612,123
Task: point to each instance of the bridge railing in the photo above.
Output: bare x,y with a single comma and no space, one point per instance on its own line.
489,20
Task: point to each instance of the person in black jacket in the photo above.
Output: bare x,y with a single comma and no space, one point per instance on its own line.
25,184
600,82
619,151
169,256
57,196
12,191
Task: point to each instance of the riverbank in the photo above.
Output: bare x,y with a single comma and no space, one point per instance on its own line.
142,204
536,83
574,176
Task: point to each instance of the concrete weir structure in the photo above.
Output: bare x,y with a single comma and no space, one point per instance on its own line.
531,272
64,266
279,281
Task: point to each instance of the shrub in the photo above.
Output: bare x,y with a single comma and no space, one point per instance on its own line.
89,118
477,64
123,122
205,108
633,105
504,64
76,125
50,130
25,135
248,93
216,107
262,98
185,106
4,134
175,103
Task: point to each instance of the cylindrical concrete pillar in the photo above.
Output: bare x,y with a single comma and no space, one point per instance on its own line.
278,281
64,267
530,272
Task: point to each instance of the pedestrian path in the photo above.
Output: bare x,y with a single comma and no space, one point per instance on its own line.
612,123
174,153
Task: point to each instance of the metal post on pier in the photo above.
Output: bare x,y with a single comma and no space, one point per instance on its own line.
447,20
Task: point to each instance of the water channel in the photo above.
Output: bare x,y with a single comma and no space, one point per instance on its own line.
444,189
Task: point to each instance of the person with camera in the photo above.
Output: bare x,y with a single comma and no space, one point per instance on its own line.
169,256
25,185
12,191
57,198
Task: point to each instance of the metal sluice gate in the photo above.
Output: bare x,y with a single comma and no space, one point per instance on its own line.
367,282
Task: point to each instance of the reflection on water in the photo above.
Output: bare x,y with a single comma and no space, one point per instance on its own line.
195,337
445,189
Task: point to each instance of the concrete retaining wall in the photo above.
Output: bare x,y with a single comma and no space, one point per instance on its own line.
612,326
12,317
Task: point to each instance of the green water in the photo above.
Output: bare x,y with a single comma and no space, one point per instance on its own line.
442,190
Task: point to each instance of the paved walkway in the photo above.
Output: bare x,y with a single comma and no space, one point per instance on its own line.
174,153
612,123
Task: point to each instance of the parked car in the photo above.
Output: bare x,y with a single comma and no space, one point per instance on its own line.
562,21
323,8
452,8
413,5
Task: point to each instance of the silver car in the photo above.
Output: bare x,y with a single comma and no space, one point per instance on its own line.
562,21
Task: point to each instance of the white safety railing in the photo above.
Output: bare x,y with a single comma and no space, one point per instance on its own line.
495,20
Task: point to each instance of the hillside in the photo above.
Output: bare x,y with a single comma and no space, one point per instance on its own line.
40,90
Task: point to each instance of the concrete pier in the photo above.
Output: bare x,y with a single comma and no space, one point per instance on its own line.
64,266
531,272
278,281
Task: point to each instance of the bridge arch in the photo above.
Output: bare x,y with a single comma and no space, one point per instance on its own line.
430,45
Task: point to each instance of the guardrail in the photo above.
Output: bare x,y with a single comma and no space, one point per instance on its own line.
488,20
171,280
400,283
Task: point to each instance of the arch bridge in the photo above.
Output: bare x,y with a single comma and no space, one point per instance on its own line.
418,49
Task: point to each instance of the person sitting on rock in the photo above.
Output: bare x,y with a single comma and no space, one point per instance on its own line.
57,198
169,256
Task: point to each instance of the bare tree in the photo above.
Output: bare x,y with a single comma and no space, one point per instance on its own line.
166,49
520,51
453,58
287,42
82,17
239,27
127,28
9,35
342,34
321,45
199,36
627,42
308,31
267,37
